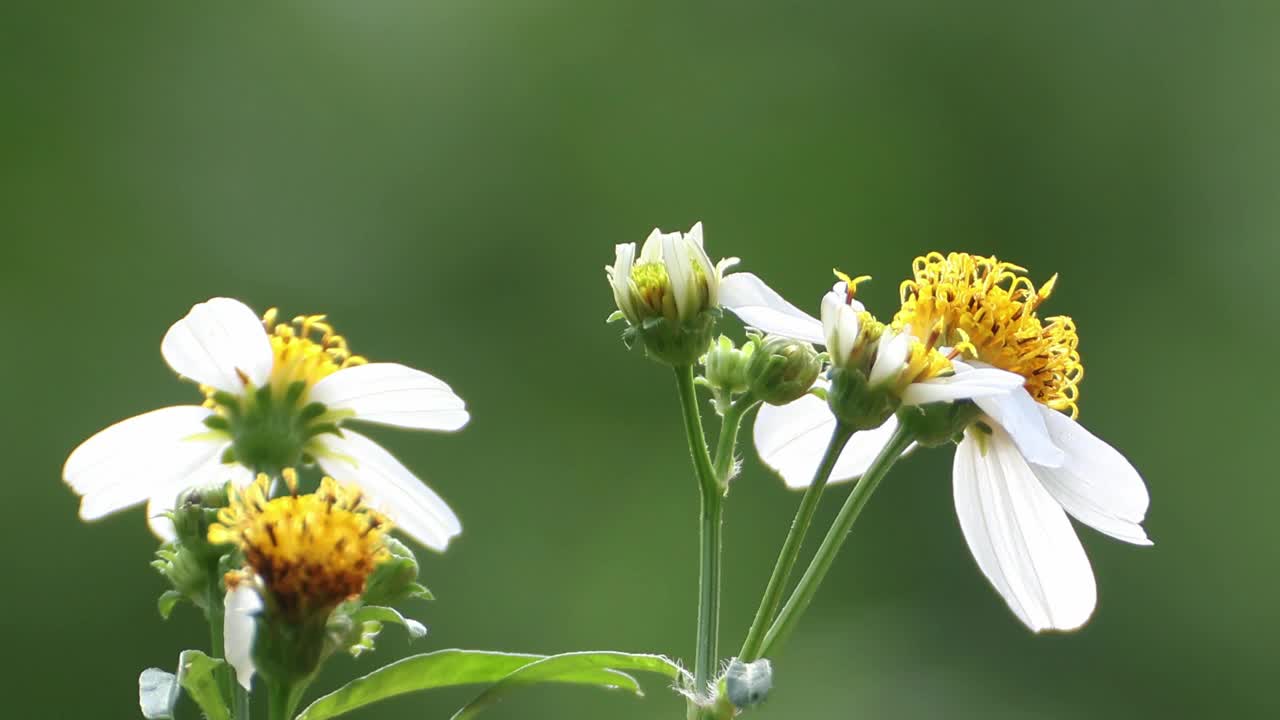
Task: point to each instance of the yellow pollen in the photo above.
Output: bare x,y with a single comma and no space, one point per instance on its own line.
306,350
312,551
985,309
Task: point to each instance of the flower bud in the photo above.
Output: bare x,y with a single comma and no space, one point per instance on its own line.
726,366
192,515
782,370
669,296
395,579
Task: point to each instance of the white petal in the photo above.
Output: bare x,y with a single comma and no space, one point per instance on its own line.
391,488
651,251
840,327
695,234
128,462
757,305
1020,416
239,625
213,473
393,394
792,438
1020,537
679,264
620,279
979,382
218,341
1096,484
891,357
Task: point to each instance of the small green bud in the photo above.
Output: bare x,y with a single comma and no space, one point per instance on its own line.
938,423
726,366
396,578
782,370
187,572
192,515
856,404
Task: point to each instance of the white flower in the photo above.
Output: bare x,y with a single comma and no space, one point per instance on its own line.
791,438
275,397
239,625
673,278
1023,465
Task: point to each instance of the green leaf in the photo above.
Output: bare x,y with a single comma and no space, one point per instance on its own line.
197,673
390,615
603,669
168,600
157,694
443,668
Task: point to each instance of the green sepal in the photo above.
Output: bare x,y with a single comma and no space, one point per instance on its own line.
167,601
938,423
383,614
782,370
672,342
615,316
198,675
394,580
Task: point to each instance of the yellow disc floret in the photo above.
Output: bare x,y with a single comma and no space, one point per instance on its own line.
306,350
312,551
985,309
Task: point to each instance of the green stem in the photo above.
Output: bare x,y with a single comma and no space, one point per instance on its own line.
728,441
283,699
826,554
751,647
705,656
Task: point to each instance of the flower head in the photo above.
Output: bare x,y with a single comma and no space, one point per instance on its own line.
310,551
1024,463
277,395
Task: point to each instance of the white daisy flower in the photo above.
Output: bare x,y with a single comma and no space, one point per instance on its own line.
277,396
1025,460
791,438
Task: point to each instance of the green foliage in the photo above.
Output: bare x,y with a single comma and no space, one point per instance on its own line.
198,675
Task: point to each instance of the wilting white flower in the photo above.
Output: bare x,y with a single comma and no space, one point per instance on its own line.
792,438
276,396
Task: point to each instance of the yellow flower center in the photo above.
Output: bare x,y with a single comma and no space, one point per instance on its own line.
986,309
306,350
312,551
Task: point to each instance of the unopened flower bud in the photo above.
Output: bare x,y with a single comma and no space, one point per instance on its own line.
669,295
782,370
726,366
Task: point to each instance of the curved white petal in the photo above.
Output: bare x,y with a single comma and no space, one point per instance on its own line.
620,279
128,462
675,257
1096,484
392,488
757,305
695,234
651,251
393,394
891,357
792,438
239,625
1020,537
218,341
213,473
1020,416
840,327
975,383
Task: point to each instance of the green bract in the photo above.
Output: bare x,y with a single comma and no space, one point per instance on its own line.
858,405
782,370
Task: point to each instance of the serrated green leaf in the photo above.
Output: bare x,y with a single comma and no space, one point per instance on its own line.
168,600
157,694
444,668
602,669
198,675
390,615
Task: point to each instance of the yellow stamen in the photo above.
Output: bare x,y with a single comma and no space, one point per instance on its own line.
306,350
850,284
985,309
312,551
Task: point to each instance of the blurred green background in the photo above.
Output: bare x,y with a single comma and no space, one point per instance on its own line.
447,181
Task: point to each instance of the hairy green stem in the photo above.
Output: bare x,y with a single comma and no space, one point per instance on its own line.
712,497
826,554
752,646
283,699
